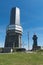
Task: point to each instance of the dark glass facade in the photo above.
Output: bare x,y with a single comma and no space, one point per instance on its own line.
12,16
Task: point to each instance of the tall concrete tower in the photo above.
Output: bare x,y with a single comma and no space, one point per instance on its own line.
14,30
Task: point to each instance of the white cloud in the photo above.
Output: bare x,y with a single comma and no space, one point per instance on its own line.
1,44
2,29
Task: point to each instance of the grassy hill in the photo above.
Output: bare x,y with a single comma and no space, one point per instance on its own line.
21,59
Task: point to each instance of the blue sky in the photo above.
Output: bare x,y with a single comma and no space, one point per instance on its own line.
31,19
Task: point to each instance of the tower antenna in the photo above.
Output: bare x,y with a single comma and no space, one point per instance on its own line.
28,40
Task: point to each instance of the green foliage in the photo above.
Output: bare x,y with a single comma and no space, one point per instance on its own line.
40,51
21,59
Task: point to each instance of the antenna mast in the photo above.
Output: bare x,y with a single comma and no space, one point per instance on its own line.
28,40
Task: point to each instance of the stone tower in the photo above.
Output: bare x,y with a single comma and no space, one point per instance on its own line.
14,30
35,42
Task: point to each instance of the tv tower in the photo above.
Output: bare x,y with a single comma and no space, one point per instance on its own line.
14,30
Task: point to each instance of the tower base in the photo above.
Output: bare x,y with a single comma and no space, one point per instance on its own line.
13,39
